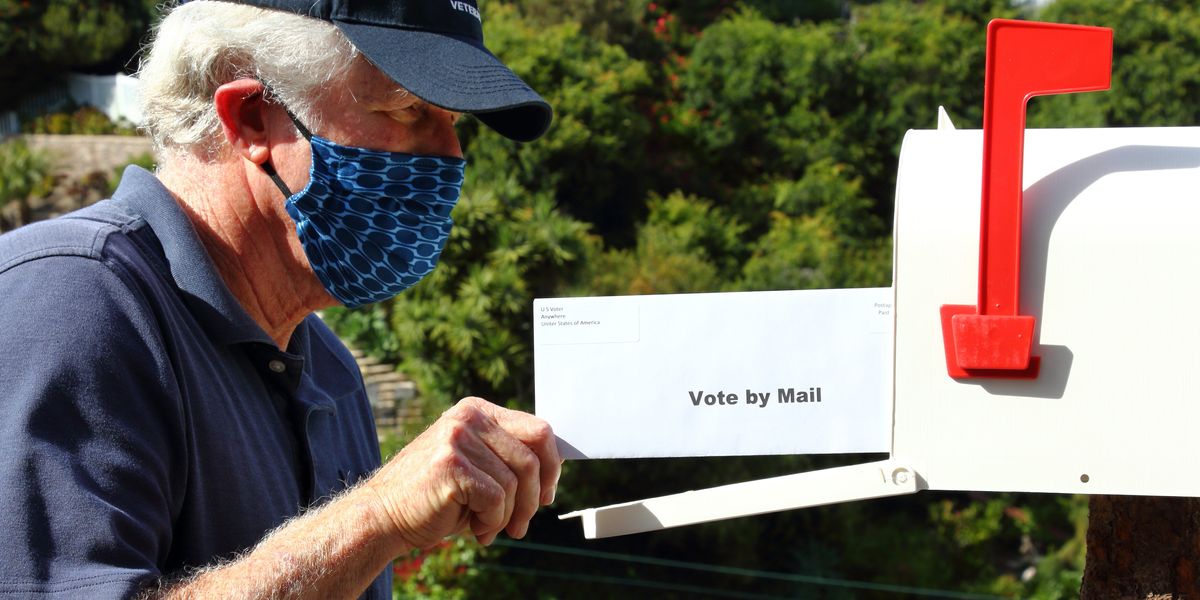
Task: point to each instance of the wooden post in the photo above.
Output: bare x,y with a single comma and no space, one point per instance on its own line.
1142,548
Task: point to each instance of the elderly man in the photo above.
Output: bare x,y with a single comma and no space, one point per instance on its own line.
170,402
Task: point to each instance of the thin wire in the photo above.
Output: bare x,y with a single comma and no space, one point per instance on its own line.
644,583
809,579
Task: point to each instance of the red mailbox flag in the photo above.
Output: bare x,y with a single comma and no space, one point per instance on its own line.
1024,59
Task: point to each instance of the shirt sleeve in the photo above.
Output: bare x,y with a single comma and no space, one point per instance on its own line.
89,438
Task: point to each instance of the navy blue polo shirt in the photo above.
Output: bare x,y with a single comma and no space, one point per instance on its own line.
147,423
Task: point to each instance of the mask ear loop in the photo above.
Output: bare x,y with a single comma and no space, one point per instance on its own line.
267,166
269,169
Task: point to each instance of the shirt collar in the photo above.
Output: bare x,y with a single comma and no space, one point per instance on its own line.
191,267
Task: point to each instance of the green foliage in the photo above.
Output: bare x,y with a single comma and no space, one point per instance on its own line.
442,573
145,160
24,172
685,245
591,161
84,120
44,38
610,21
751,100
390,444
785,11
909,60
1156,66
970,525
804,253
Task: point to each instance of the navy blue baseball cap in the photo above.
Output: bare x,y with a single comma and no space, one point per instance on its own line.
434,49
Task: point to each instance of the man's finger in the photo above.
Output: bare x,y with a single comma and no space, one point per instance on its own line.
485,500
523,463
518,468
498,471
537,435
508,461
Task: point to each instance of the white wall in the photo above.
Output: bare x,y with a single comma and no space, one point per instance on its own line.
9,124
115,95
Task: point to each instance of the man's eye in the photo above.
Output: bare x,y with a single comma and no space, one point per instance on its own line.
407,114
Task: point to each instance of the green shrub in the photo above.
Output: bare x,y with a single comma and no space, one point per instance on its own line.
144,160
24,172
83,120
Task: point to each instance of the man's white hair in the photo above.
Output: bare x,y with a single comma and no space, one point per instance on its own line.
202,45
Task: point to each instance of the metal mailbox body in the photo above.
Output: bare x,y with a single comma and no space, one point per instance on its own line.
1110,259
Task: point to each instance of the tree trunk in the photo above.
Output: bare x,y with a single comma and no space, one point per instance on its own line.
1142,548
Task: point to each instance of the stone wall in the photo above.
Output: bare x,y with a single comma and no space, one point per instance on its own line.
394,398
82,166
78,155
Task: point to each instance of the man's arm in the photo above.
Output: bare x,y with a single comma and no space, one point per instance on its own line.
479,466
91,469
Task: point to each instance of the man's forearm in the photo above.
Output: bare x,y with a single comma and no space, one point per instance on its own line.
333,552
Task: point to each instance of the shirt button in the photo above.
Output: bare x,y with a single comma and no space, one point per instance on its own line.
277,366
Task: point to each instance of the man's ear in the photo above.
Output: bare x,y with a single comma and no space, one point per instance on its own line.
243,111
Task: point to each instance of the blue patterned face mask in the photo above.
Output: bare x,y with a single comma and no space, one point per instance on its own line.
372,223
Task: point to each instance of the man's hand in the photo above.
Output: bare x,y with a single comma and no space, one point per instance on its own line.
479,466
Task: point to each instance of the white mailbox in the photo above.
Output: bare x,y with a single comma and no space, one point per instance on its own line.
1109,244
1046,343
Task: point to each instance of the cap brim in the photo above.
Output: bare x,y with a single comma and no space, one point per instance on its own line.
454,74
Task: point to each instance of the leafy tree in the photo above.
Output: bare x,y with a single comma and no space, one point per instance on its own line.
39,40
909,59
1156,66
24,172
806,253
611,21
685,245
751,103
591,161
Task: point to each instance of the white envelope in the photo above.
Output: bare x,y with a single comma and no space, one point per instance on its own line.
743,373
